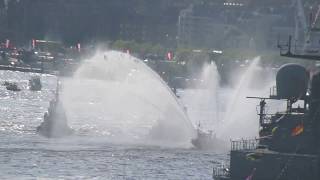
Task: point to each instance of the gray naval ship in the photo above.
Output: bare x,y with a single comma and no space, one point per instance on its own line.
288,146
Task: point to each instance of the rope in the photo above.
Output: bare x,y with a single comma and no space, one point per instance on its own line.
316,17
286,166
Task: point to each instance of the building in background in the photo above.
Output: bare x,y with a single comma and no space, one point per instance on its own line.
72,21
186,23
3,20
234,24
213,26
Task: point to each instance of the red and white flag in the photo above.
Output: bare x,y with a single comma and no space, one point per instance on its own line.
169,56
79,47
7,43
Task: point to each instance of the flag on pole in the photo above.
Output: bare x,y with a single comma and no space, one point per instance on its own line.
7,43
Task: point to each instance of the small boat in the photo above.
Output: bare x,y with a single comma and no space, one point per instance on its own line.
6,83
35,84
11,86
207,141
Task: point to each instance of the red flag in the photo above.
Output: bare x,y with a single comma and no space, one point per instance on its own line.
297,130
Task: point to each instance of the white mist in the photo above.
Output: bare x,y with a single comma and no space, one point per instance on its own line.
117,96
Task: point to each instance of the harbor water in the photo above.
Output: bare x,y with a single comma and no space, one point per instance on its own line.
26,155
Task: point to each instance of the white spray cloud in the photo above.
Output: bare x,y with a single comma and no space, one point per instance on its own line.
117,96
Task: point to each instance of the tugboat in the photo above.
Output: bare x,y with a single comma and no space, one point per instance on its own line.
288,146
35,83
207,140
54,123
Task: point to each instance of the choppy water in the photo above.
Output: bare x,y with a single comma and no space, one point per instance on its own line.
26,155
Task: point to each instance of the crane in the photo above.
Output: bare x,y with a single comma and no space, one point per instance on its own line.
316,21
301,27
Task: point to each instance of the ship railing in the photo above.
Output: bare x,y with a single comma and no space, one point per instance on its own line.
221,172
244,144
266,120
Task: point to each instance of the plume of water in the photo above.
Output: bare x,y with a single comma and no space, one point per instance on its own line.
117,96
240,118
201,101
227,111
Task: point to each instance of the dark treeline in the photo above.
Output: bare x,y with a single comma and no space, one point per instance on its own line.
73,21
90,21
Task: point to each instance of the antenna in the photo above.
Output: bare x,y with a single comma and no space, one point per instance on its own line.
289,45
310,20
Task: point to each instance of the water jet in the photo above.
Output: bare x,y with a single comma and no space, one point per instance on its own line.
117,96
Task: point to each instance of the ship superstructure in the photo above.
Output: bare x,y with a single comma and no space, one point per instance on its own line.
288,146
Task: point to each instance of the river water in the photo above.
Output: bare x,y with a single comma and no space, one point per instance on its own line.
26,155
